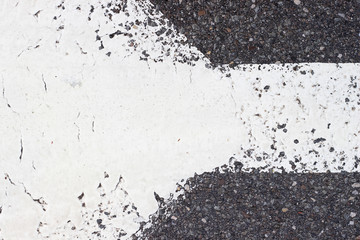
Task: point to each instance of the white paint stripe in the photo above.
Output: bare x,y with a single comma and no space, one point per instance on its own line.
153,123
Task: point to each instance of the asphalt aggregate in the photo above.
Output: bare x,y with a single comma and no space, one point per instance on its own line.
232,204
229,203
268,31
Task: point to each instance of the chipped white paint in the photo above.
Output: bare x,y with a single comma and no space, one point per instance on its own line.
72,117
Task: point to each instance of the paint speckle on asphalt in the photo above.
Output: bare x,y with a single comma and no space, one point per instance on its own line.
96,90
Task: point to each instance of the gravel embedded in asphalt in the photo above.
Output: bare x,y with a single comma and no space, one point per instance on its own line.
232,204
263,31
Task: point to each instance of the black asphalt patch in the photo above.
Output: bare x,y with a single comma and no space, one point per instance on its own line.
232,204
263,31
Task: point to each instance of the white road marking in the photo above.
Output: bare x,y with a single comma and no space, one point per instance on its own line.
75,116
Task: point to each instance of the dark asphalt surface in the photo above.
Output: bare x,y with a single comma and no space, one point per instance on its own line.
233,204
268,31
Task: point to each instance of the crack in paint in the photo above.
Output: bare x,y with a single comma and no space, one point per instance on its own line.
45,86
21,150
7,177
3,94
36,15
36,45
5,98
40,200
78,135
118,183
81,49
39,226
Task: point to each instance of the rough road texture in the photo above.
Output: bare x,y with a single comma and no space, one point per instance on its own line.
95,92
263,31
239,205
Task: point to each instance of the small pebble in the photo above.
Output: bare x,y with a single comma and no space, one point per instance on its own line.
284,210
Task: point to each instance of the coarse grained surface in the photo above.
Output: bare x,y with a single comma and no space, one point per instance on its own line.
262,31
99,111
261,205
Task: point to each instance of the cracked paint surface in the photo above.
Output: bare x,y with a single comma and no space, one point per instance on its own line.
75,118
